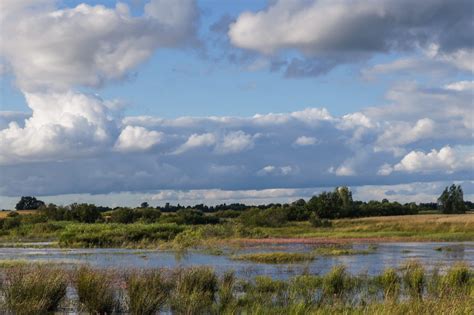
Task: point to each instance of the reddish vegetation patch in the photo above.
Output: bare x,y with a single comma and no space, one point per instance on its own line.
318,240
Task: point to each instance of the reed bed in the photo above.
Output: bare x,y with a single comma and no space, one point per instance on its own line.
199,290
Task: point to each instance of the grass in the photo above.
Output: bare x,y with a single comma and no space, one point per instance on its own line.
198,290
147,292
430,227
341,251
33,290
275,257
95,291
427,227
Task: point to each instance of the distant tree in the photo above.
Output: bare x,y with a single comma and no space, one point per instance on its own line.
144,205
331,205
29,203
452,200
86,213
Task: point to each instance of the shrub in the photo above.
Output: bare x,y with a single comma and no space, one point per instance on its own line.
95,291
195,291
147,292
414,279
37,290
271,217
122,215
318,222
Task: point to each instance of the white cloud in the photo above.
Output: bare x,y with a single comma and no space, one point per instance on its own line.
278,170
461,86
88,45
133,138
446,160
196,141
327,33
305,141
235,142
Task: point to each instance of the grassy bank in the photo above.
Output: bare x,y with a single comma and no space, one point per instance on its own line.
430,227
38,289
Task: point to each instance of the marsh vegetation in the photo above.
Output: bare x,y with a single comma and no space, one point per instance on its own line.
409,290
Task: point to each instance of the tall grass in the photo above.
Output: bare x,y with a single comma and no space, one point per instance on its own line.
198,290
195,291
95,290
33,290
147,292
414,279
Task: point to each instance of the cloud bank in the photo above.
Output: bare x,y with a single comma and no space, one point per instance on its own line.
327,33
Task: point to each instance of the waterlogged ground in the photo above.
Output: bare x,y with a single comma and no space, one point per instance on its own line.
385,255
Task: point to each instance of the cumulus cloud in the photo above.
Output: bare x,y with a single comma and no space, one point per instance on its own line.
196,141
90,142
446,160
328,33
234,142
305,141
278,170
53,52
88,45
133,138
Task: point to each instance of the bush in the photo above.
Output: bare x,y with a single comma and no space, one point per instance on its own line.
271,217
318,222
37,290
194,217
195,291
113,235
147,292
122,215
95,291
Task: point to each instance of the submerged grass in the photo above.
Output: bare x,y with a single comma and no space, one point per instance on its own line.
410,290
275,257
33,290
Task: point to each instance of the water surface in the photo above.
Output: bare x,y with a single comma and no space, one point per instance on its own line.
386,255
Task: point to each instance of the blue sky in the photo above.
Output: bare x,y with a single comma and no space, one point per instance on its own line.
364,93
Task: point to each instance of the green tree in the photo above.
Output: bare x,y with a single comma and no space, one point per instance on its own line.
29,203
451,200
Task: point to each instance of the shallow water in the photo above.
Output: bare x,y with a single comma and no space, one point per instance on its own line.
386,255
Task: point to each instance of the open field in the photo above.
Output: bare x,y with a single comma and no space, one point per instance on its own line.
4,214
430,227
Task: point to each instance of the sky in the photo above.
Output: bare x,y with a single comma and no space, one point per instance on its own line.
213,101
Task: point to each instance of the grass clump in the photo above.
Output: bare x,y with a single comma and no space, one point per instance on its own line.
390,282
275,257
339,251
457,279
147,292
336,282
414,279
95,290
33,290
195,291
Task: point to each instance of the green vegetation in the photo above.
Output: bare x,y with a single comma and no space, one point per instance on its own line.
147,292
342,251
452,200
329,215
95,291
275,257
412,290
34,290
